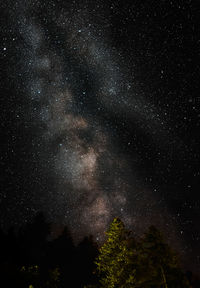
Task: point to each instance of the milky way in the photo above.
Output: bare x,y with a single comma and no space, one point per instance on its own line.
70,88
82,103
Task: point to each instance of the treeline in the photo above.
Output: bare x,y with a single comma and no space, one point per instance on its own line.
28,258
149,262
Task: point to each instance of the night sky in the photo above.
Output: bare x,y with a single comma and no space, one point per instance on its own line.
100,116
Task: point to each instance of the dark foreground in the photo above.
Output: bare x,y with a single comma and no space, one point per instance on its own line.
29,258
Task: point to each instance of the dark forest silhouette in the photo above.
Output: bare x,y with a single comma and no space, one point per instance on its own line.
29,259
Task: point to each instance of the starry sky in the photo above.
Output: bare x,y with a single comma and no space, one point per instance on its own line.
100,116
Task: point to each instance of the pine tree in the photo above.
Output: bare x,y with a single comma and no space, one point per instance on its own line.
157,264
147,263
114,263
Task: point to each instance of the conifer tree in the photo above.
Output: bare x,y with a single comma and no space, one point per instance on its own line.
157,264
114,263
147,263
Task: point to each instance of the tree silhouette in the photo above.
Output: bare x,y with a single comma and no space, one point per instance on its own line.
85,255
61,253
157,265
33,240
124,262
30,258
